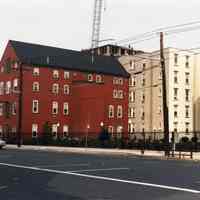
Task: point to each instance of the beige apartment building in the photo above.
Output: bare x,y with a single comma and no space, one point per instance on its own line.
145,98
145,90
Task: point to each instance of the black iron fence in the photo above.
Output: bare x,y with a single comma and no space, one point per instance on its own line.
182,141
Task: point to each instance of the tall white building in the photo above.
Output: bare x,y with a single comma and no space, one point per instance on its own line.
183,93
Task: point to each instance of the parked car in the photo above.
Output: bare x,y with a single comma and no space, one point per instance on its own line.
2,143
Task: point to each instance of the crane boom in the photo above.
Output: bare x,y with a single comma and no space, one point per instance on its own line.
98,8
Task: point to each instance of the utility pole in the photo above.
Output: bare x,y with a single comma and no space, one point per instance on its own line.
164,96
19,131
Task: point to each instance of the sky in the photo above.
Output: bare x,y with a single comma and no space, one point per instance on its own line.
68,23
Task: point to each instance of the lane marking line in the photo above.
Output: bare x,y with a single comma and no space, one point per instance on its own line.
95,170
104,178
65,165
3,187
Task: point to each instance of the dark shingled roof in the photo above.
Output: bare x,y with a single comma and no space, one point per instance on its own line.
67,59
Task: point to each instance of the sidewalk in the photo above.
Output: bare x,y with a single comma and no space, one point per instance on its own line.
98,151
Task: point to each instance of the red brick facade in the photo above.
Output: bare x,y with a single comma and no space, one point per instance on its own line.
88,100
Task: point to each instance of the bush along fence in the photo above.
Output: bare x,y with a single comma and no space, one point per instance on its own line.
140,140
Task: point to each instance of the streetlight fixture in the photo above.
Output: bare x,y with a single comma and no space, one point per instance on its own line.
86,138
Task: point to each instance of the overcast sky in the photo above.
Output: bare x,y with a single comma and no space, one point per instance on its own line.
68,23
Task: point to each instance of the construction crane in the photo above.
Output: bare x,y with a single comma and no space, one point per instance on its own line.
97,17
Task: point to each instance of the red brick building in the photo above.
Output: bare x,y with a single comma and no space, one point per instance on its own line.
70,90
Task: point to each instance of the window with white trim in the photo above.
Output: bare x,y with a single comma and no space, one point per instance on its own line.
35,106
66,89
65,131
132,96
121,81
55,88
120,94
34,130
1,88
119,111
36,71
65,108
55,74
111,111
1,109
8,87
55,130
115,94
119,131
14,108
110,129
90,77
55,107
36,87
66,75
15,84
98,78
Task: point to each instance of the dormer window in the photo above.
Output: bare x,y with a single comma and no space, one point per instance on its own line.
36,71
55,74
90,77
98,78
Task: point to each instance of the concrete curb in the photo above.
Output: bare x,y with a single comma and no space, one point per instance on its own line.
97,151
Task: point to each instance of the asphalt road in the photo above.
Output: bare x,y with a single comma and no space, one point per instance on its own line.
34,175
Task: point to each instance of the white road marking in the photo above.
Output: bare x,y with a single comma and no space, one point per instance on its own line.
95,170
3,187
67,165
104,178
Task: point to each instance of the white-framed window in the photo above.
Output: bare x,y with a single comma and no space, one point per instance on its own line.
143,98
111,111
176,59
55,130
119,111
14,108
1,109
55,88
55,74
66,89
1,88
175,76
132,112
90,77
115,94
55,107
120,94
1,131
115,81
119,131
121,81
15,84
187,61
175,93
187,78
66,75
187,94
34,130
8,87
110,129
15,65
65,131
132,96
98,78
36,87
65,108
187,111
35,106
36,71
